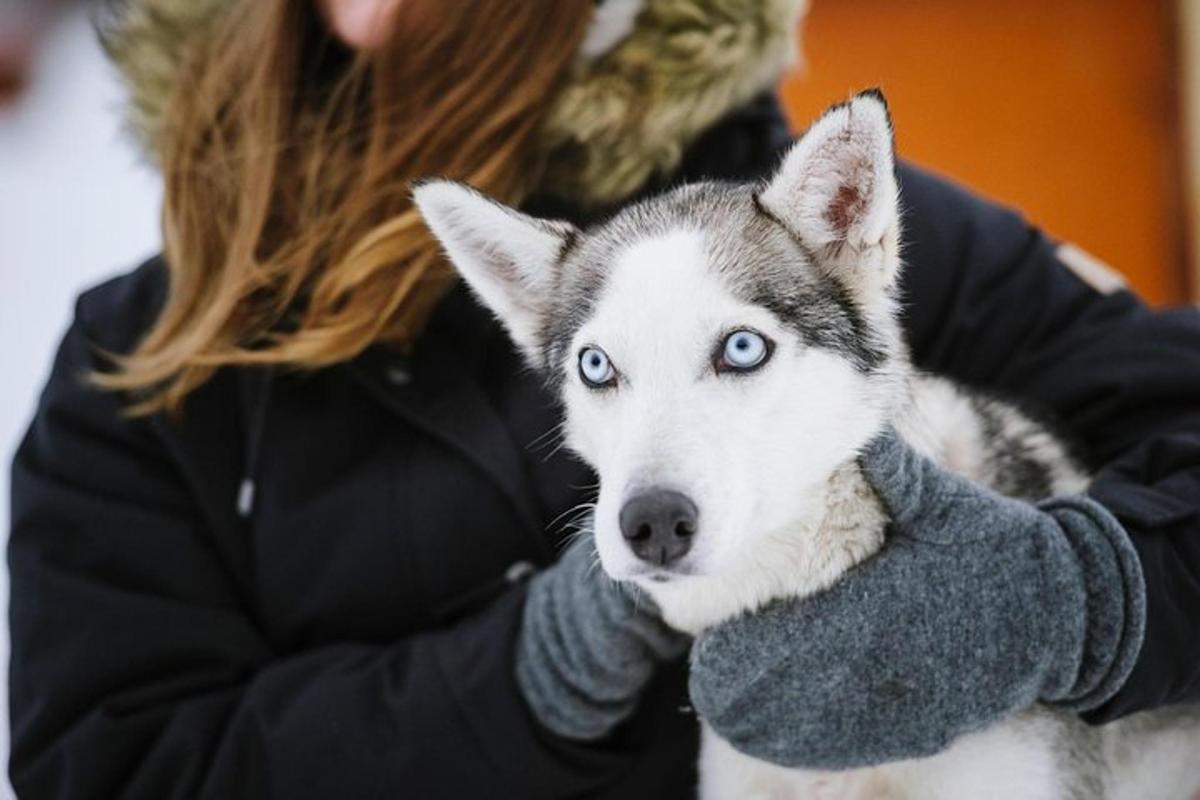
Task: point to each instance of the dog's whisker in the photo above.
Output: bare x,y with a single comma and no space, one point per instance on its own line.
572,515
555,437
562,443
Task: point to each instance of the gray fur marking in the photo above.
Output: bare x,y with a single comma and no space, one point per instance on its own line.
1017,471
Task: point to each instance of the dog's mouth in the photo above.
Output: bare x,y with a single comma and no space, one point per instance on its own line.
659,575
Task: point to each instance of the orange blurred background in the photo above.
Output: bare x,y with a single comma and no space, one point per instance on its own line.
1067,109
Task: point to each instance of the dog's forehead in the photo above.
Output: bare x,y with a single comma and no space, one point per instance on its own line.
713,234
658,288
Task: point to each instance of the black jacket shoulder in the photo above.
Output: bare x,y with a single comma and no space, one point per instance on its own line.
117,313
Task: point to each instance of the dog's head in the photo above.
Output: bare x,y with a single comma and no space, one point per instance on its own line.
720,349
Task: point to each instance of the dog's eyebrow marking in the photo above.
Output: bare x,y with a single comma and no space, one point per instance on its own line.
572,305
584,267
828,317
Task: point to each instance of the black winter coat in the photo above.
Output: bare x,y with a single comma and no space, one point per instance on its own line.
306,587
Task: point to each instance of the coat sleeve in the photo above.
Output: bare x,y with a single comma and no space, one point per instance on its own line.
138,672
990,303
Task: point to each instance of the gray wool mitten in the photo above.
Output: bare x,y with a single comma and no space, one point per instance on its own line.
976,607
588,645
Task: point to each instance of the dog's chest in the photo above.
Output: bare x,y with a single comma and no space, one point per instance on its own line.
1009,760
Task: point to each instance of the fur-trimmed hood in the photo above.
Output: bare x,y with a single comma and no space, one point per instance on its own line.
625,116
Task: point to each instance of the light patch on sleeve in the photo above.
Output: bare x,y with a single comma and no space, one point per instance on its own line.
1089,269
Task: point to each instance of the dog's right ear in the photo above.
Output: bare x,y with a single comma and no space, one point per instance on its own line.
509,259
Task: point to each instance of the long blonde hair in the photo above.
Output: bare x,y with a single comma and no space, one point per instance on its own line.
290,237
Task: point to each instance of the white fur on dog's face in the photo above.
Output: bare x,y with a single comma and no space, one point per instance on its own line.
751,450
809,261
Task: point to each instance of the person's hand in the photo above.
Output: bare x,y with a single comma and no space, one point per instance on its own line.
588,645
977,607
361,24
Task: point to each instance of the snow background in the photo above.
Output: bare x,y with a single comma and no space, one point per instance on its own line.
76,206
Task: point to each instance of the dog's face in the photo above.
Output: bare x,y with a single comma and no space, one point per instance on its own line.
720,350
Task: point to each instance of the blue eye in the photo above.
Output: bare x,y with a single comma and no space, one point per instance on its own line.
744,350
595,368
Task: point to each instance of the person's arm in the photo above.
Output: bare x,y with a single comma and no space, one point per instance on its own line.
992,305
138,671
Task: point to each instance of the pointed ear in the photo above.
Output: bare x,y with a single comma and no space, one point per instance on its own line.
508,258
836,191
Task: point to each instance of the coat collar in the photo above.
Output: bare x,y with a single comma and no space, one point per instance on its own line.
745,146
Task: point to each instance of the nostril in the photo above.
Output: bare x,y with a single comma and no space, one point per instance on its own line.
685,528
642,533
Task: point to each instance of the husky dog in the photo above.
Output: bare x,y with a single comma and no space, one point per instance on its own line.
700,341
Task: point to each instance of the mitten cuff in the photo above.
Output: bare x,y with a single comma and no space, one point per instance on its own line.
1116,602
587,647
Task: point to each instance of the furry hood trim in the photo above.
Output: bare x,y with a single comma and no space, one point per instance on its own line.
623,118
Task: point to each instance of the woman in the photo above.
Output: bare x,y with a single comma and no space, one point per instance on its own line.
273,520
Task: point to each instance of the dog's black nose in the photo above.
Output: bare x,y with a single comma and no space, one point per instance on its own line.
659,525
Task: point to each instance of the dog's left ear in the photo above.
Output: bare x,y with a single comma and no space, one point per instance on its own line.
836,192
509,259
